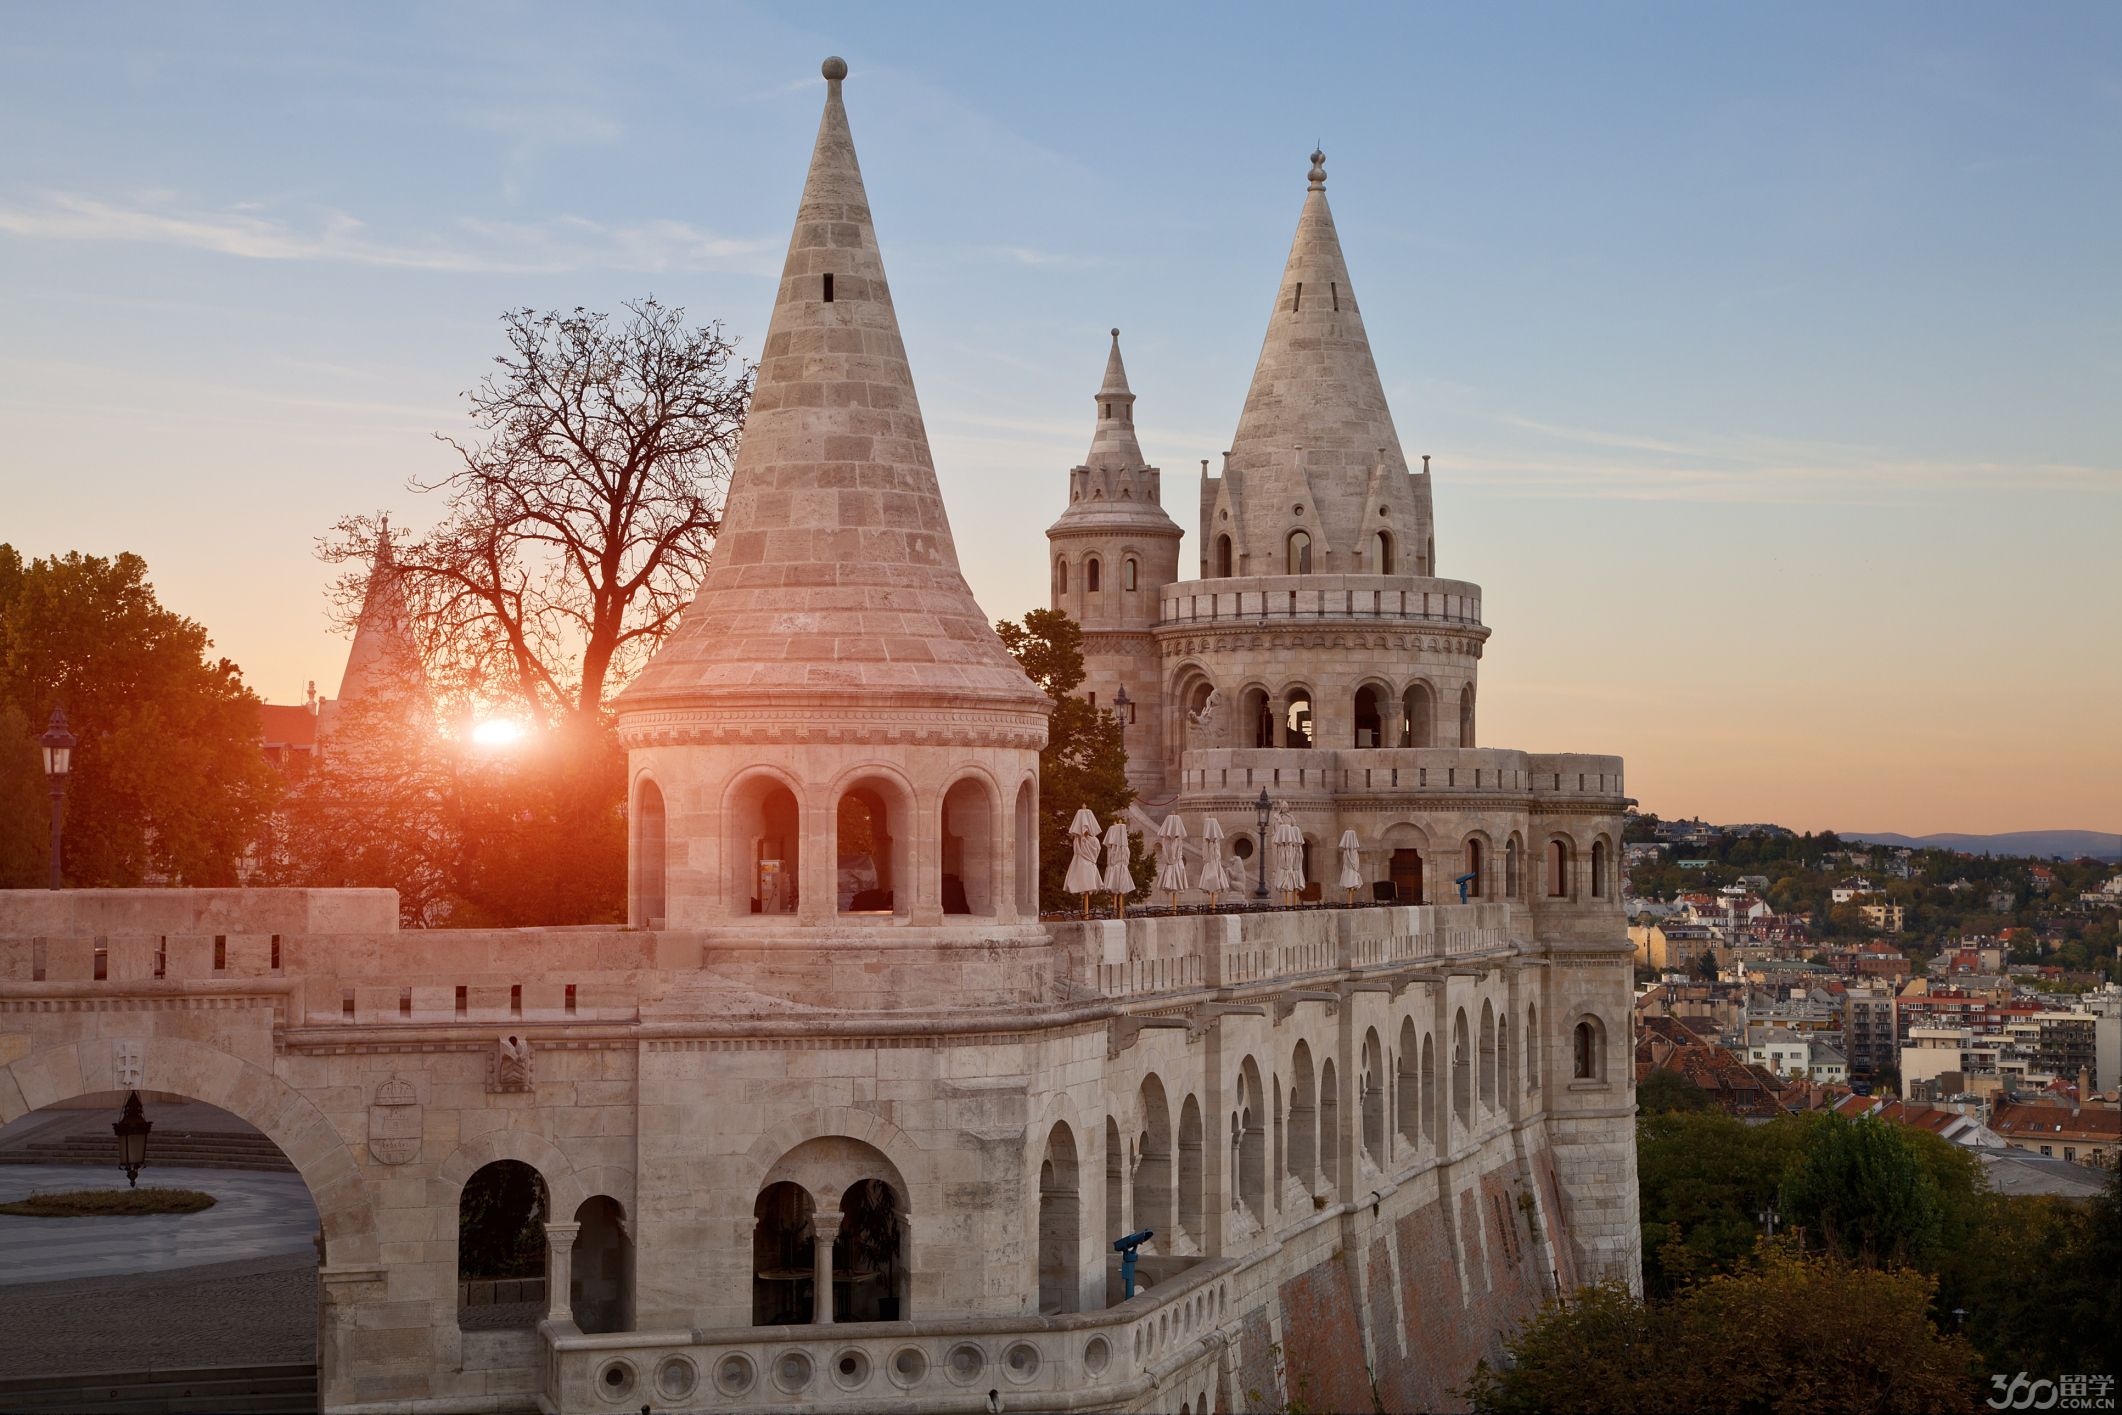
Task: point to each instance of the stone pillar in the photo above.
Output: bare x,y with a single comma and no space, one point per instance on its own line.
824,1229
559,1270
818,874
340,1292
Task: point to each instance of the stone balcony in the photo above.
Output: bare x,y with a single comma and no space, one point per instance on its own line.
1245,601
1089,1360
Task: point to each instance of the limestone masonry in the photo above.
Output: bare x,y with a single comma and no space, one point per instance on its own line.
837,1123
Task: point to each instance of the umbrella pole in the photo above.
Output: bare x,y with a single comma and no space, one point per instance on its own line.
1086,905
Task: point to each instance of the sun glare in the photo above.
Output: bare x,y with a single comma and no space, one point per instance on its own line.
497,732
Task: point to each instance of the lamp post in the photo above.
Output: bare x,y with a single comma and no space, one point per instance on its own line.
1121,703
1260,846
58,746
131,1129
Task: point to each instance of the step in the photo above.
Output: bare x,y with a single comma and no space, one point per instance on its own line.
239,1390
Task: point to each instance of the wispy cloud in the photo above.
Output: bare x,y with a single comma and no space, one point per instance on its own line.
1559,460
244,231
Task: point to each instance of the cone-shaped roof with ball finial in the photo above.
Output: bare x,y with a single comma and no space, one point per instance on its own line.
1316,431
835,576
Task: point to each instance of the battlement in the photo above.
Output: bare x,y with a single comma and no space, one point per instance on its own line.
1243,601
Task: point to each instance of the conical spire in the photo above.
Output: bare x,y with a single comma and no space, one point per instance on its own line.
837,575
383,661
1315,425
1113,444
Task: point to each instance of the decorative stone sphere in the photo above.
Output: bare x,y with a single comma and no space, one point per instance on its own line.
834,68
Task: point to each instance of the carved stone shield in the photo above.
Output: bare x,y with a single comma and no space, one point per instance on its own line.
125,1065
394,1123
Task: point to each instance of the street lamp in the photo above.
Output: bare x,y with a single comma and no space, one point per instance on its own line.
1121,703
1260,846
131,1129
58,760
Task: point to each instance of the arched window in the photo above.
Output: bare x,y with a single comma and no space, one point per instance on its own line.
1251,1126
601,1293
1419,716
1090,575
1488,1056
1060,1225
1127,573
1192,1173
1300,553
1513,870
972,848
1590,1050
1153,1163
1462,1071
1382,553
1259,717
873,827
501,1216
1026,851
1331,1141
1429,1088
1297,720
1598,869
1223,560
1476,865
783,1256
1466,716
1368,721
1558,869
1372,1089
1303,1121
764,840
1060,577
1532,1046
651,894
1407,1092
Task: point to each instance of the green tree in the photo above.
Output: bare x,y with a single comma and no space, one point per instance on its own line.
1862,1190
1704,1178
1797,1333
168,781
1665,1090
25,803
1085,760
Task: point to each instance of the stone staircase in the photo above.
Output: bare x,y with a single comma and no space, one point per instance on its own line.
187,1149
237,1390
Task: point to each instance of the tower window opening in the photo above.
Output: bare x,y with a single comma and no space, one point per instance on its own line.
1061,577
1333,288
1300,553
828,289
1090,575
1384,553
1223,557
1297,303
1127,574
1108,410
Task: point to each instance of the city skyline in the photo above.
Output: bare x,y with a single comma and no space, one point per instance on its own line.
1809,381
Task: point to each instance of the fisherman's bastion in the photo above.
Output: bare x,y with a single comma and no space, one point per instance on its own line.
831,1138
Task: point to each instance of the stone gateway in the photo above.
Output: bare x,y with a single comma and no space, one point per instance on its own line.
837,1122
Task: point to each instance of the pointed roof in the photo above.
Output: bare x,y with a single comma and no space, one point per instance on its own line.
1122,494
836,575
383,661
1113,443
1315,422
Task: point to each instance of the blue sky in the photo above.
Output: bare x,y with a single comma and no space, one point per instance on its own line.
1768,356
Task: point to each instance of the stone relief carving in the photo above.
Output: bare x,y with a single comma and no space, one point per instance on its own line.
1203,722
125,1064
510,1067
394,1123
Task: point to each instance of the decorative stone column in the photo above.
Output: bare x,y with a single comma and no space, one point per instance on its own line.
560,1270
824,1229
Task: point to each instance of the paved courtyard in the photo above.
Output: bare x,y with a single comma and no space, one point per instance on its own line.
254,1216
259,1311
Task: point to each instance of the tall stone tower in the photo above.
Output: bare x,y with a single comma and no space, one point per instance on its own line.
833,734
1112,551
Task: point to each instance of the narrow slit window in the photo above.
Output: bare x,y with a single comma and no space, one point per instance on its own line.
515,999
220,953
463,1001
36,960
162,956
103,960
346,1004
405,1002
276,953
828,289
1297,303
1333,288
570,999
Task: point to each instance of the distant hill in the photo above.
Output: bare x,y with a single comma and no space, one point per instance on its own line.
2070,844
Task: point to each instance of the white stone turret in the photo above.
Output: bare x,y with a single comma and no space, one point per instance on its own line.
834,728
1112,552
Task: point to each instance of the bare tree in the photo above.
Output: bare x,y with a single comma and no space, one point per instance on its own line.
582,515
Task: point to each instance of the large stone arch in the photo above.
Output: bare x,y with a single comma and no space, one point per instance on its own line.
323,1156
837,1121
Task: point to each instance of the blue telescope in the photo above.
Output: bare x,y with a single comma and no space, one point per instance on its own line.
1463,881
1126,1247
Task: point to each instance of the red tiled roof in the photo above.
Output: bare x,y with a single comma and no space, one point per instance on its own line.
2029,1120
286,726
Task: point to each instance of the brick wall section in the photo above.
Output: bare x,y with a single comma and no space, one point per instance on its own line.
1433,1320
1258,1386
1323,1348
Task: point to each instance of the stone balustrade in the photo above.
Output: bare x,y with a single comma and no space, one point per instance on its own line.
1091,1360
1153,953
1248,599
1297,772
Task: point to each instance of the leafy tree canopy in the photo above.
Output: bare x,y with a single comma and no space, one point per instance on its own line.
168,781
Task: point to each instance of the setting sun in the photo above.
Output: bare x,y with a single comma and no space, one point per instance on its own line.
498,732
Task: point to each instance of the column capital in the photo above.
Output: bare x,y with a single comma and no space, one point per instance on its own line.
824,1225
561,1230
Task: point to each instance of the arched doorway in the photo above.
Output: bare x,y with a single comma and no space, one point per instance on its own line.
651,888
765,842
601,1272
970,848
1369,720
501,1216
1418,714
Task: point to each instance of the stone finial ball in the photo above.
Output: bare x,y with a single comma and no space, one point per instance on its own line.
834,68
1116,333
